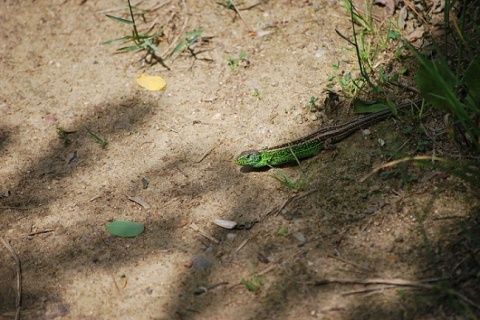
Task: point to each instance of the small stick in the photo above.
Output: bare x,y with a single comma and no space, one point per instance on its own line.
181,32
15,208
203,233
350,263
139,201
95,198
396,282
242,245
240,15
394,163
40,231
19,276
298,196
369,290
169,127
116,285
204,155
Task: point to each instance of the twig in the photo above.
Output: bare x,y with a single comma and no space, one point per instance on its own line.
203,233
242,245
201,290
181,31
295,197
238,12
15,208
139,201
419,16
396,282
350,263
204,155
394,163
368,290
119,292
169,127
40,231
400,148
19,276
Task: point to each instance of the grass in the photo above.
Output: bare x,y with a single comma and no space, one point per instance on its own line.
312,104
448,84
235,62
369,42
99,140
187,42
451,84
295,184
253,284
64,135
140,41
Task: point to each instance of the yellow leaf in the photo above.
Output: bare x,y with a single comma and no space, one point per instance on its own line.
152,83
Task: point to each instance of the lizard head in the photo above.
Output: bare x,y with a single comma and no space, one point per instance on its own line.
251,158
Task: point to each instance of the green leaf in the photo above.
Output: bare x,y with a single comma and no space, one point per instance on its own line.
362,106
118,40
392,34
125,229
436,82
250,286
283,231
131,48
129,22
472,80
193,34
178,47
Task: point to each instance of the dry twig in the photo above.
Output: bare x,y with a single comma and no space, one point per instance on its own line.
396,282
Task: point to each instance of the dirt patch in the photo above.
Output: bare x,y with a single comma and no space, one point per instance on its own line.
405,224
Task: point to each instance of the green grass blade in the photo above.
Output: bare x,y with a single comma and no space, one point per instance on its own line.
97,138
115,41
125,21
131,48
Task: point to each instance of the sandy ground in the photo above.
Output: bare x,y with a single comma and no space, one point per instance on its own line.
406,224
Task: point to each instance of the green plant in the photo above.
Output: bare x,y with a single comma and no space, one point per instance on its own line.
368,41
63,135
348,86
452,84
99,140
312,104
227,4
256,94
283,231
253,284
141,41
187,42
234,62
297,184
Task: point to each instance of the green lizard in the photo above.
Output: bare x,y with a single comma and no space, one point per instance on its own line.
311,144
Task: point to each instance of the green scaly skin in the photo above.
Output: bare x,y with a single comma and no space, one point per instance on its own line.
263,158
